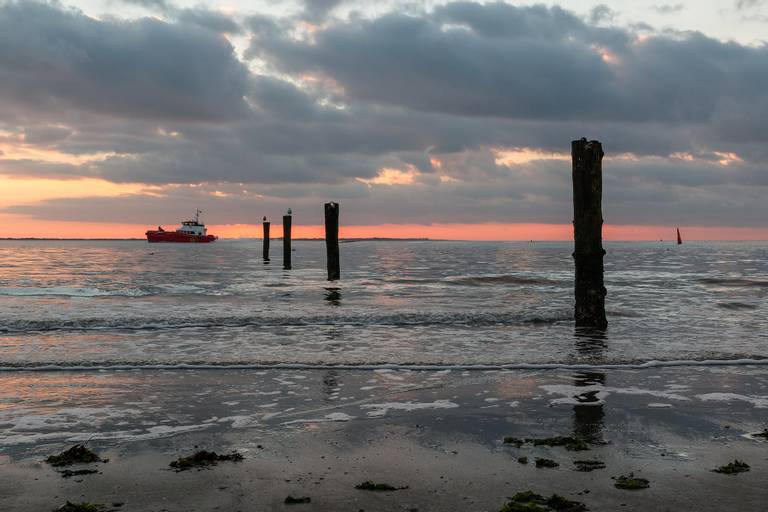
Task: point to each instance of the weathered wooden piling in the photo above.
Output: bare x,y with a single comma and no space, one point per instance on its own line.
587,157
287,218
265,245
332,240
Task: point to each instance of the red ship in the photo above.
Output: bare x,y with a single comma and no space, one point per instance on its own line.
190,231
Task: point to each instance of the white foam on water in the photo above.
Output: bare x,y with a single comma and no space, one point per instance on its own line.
760,402
380,410
575,395
155,432
333,417
63,291
656,405
243,421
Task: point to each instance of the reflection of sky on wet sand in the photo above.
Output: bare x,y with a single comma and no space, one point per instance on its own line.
121,408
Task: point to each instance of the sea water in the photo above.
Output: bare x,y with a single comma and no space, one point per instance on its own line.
125,342
129,304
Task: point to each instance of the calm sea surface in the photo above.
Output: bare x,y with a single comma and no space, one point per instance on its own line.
103,303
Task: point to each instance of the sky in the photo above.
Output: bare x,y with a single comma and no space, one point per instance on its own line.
442,119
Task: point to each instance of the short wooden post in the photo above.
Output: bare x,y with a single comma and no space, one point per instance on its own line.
265,244
332,240
587,157
287,240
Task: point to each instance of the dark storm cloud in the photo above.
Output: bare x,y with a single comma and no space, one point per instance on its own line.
199,15
534,62
206,18
601,13
57,59
317,10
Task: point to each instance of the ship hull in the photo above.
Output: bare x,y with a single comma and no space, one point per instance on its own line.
172,237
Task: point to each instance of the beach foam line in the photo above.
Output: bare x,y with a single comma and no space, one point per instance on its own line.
381,366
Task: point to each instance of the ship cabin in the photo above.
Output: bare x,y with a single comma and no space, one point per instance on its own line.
192,227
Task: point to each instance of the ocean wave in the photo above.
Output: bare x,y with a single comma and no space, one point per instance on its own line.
733,282
473,319
64,291
487,280
640,365
736,306
500,279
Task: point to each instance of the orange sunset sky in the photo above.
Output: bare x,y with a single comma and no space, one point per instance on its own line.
34,190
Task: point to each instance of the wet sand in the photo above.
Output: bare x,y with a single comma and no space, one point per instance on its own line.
320,433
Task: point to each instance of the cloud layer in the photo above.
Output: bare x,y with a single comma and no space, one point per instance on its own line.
456,114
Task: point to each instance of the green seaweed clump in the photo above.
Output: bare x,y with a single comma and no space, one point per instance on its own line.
570,443
630,483
733,468
588,465
68,473
80,507
529,501
78,454
203,459
514,440
371,486
522,460
545,463
290,500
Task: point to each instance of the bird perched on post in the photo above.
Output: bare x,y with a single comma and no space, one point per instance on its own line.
290,212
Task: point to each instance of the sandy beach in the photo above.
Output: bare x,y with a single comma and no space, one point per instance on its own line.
318,434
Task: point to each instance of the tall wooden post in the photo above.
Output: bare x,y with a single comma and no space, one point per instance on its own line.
332,240
265,251
588,251
287,240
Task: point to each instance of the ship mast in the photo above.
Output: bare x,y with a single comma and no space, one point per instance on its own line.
197,216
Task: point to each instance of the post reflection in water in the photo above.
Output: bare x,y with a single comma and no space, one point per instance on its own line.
333,296
591,343
330,385
589,414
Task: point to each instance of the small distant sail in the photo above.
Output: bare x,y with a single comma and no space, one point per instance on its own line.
679,238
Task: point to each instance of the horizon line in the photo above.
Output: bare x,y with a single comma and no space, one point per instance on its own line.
374,239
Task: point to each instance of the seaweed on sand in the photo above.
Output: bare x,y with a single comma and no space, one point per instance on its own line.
372,486
203,459
630,482
733,468
80,507
545,463
588,465
522,460
529,501
78,454
290,500
570,443
763,434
